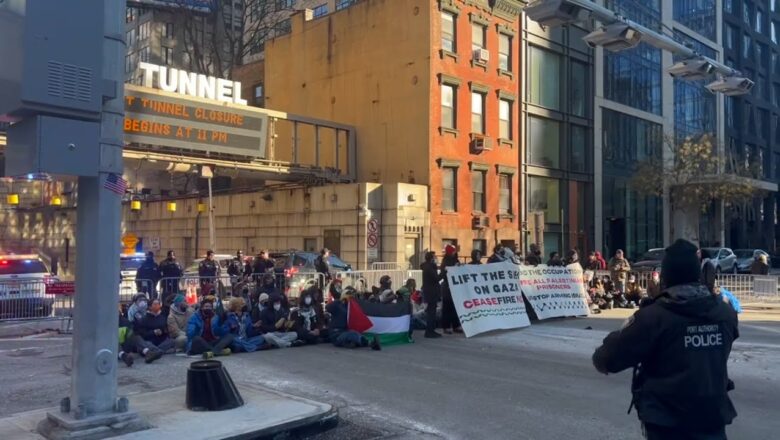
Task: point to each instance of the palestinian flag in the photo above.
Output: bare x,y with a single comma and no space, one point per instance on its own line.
390,322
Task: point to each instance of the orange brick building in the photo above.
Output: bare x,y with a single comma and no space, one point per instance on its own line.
431,87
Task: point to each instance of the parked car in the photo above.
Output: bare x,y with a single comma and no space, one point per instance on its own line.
745,258
650,261
724,259
223,260
23,280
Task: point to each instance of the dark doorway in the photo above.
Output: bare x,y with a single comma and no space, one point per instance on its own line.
616,239
332,240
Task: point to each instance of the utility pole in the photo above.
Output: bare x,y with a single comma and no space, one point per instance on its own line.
65,65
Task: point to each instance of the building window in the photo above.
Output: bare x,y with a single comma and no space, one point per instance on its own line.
143,31
579,98
728,5
698,15
285,4
544,142
579,149
257,45
130,38
759,21
284,27
258,94
129,63
449,242
505,52
167,55
544,78
448,109
478,190
747,13
168,30
130,14
544,195
449,189
448,32
505,194
633,78
477,112
479,245
341,4
477,36
144,54
320,10
747,47
504,119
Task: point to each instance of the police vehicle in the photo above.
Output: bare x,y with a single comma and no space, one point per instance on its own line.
23,280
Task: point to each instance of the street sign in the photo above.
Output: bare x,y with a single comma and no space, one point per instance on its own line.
154,244
373,226
61,288
373,253
372,240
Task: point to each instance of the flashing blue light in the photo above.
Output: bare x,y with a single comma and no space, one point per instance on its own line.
30,176
27,261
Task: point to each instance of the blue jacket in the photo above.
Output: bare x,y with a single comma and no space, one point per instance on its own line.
233,325
195,328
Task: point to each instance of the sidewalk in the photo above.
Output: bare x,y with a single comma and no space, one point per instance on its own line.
265,414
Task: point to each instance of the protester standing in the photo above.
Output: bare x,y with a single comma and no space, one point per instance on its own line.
449,316
497,254
760,266
476,257
619,268
534,257
679,346
431,291
555,260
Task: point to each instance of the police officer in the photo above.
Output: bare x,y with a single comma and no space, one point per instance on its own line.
171,272
679,346
237,267
208,271
147,276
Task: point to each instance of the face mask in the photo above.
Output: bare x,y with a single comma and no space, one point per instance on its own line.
307,300
183,307
277,307
208,313
142,305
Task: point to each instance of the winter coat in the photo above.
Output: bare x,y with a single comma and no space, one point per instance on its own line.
208,269
681,343
177,321
170,271
308,319
322,265
149,273
241,327
195,328
269,317
430,285
533,259
148,324
602,261
338,316
619,268
236,268
759,268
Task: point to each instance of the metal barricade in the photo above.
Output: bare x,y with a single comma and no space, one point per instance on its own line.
750,289
27,300
388,265
364,280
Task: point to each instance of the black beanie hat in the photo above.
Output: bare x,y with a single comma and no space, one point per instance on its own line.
680,264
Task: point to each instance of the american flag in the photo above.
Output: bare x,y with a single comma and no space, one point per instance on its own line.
115,183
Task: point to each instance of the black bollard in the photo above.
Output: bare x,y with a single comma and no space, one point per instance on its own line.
210,388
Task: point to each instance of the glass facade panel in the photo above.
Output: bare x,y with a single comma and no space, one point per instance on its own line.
628,139
644,12
698,15
580,97
633,77
544,147
544,82
544,194
579,149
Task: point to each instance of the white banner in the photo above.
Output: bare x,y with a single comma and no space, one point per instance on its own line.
554,291
487,297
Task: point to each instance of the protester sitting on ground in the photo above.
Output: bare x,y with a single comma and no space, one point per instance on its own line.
269,287
476,257
275,325
385,284
150,333
308,319
555,260
178,317
634,292
246,338
125,333
418,311
339,333
206,334
406,291
760,266
137,309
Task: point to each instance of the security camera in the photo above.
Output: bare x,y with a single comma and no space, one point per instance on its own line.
692,69
614,37
554,13
731,85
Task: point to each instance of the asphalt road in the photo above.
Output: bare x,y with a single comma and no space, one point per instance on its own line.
535,383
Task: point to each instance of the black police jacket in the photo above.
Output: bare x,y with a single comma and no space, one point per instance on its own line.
682,343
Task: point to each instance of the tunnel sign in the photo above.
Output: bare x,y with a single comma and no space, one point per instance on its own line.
163,119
